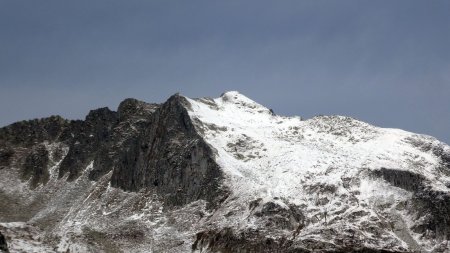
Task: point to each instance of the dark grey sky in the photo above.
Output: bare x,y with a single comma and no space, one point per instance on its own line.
384,62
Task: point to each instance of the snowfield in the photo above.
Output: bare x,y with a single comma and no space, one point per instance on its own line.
290,160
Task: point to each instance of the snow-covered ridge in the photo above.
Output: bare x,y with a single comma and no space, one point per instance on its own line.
271,157
255,144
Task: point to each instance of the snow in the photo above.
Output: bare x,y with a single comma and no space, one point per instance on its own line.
24,238
274,157
280,152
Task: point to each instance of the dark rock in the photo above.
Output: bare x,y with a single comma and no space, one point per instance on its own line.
89,138
3,244
434,209
94,139
27,133
431,207
276,216
36,166
146,146
131,107
133,118
171,158
252,241
227,241
400,178
254,204
6,155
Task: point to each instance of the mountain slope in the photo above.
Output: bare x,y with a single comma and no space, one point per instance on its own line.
348,179
221,175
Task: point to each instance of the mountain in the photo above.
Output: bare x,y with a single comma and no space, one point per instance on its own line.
220,175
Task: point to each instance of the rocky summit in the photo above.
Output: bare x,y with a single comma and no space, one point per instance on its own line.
220,175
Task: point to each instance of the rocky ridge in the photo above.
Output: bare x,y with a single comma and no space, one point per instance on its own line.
220,175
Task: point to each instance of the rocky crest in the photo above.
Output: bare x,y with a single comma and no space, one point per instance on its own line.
170,157
220,175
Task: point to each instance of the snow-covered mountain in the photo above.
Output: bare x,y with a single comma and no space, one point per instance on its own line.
220,175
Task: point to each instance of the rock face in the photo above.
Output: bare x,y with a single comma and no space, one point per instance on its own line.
170,157
435,204
35,165
220,175
3,244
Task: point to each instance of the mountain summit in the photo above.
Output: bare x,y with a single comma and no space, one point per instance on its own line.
220,175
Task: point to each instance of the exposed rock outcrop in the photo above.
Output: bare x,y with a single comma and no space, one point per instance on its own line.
98,138
430,207
402,178
36,165
145,145
27,133
252,241
3,244
170,157
89,139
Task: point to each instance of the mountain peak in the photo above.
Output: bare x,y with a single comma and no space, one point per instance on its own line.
233,93
223,175
232,101
236,97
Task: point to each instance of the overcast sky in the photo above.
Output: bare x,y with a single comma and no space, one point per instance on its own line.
384,62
